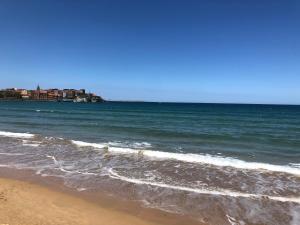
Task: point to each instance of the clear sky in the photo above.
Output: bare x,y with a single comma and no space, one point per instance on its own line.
155,50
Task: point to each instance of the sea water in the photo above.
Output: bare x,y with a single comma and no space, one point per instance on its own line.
218,163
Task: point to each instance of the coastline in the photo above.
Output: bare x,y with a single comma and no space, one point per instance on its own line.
37,200
166,164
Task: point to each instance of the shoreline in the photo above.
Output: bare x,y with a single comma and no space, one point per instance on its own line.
39,200
24,203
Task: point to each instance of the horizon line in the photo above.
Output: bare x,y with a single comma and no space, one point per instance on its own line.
179,102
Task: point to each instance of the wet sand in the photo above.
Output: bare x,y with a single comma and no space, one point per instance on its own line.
26,199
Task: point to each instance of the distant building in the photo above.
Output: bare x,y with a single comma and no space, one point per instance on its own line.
53,94
67,95
43,95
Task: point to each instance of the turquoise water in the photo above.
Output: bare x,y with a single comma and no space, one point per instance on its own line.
262,133
219,163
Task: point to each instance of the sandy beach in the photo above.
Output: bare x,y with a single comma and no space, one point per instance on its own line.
23,203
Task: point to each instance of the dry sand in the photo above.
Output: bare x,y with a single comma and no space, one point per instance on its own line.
23,203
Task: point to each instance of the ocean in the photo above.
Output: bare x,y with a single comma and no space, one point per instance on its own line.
217,163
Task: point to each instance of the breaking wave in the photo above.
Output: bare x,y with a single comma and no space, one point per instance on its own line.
142,148
16,135
197,158
220,192
86,144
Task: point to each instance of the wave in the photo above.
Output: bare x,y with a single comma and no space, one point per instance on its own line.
39,110
31,143
136,148
223,162
10,154
61,168
220,192
135,145
232,220
215,160
86,144
295,165
16,135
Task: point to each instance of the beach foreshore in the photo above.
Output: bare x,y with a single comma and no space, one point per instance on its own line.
28,200
23,203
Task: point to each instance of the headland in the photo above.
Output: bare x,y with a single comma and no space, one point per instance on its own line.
52,94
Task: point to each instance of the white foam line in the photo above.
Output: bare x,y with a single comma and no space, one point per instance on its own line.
123,150
231,220
5,166
10,154
86,144
15,135
53,158
198,158
295,165
115,175
57,163
31,145
222,161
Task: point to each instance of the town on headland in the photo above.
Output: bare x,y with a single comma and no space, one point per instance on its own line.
59,95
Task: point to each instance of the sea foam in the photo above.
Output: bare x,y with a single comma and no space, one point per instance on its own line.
16,135
219,192
86,144
215,160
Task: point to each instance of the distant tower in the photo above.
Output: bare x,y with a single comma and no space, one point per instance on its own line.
38,88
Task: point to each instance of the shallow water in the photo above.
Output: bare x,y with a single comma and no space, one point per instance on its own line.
240,162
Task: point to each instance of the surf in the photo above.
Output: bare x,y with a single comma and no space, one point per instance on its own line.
16,135
215,160
220,192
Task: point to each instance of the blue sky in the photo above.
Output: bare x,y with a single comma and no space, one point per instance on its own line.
158,50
